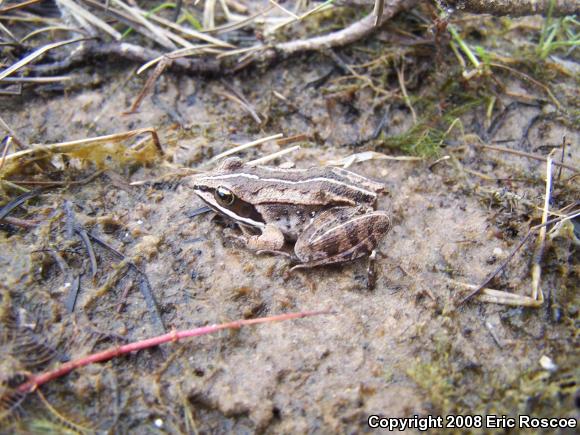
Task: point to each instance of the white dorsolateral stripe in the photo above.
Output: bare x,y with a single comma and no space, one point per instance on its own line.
277,180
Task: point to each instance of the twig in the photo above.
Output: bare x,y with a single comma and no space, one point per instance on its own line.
518,7
562,157
134,53
528,155
401,77
530,79
355,32
20,222
36,381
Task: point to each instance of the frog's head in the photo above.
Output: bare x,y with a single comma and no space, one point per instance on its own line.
223,189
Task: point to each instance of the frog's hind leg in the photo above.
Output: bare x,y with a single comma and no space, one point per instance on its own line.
340,234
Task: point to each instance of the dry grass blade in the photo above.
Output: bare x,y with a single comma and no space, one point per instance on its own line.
319,8
5,151
378,11
283,9
270,157
36,54
19,6
505,262
244,146
209,14
50,29
239,98
160,35
489,295
81,147
88,16
539,250
188,32
37,80
218,30
369,155
4,29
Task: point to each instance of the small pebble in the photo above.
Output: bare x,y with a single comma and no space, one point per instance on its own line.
548,364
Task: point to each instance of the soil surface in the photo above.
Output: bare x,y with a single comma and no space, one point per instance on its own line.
404,348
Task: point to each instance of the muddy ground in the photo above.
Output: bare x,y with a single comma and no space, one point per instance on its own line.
404,348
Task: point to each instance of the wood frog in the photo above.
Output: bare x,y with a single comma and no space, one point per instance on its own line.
327,213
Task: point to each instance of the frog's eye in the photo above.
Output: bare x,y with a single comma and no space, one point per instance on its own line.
224,196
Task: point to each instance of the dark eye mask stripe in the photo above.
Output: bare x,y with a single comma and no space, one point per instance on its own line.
246,210
238,210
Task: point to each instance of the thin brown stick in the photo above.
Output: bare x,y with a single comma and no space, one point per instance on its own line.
528,155
58,183
562,157
36,381
19,222
17,141
517,7
531,80
149,84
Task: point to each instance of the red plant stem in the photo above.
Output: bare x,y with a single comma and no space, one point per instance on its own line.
36,381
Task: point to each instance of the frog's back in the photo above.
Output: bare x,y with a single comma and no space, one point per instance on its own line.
313,186
320,185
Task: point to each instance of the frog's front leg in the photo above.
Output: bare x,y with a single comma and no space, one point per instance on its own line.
271,240
341,234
